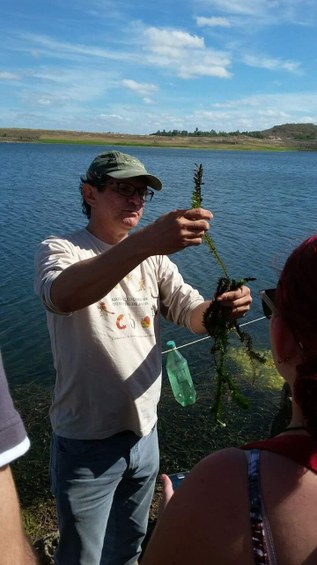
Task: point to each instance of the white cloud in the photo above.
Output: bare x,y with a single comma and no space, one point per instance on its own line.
267,12
46,46
35,98
4,75
258,112
249,7
111,116
70,85
201,21
246,114
273,64
140,88
174,39
184,54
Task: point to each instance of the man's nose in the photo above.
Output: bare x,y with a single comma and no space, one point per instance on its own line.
136,197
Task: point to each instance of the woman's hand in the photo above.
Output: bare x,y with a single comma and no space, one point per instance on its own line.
167,493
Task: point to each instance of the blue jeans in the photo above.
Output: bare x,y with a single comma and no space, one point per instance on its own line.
103,491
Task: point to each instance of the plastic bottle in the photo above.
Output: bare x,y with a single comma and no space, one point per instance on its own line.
179,376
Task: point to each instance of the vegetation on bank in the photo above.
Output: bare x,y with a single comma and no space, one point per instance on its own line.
186,434
287,137
209,133
296,132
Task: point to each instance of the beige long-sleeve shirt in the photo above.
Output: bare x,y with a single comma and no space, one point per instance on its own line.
107,356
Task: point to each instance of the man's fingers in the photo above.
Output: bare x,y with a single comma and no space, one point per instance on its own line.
197,214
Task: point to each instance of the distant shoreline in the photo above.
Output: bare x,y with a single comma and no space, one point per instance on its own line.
218,143
8,135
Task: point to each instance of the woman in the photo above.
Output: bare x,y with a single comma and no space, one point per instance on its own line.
258,504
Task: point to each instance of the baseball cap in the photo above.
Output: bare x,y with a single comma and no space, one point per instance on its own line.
118,166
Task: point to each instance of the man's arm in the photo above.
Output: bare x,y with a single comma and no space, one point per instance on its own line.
14,547
88,281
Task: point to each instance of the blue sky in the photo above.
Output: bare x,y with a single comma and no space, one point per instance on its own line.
137,66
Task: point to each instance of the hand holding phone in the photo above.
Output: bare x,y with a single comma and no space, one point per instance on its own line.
177,478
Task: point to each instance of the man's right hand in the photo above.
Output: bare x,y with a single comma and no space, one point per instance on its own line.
177,230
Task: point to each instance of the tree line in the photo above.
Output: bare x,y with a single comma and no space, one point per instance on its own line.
209,133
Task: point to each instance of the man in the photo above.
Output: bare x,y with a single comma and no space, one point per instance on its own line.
104,292
14,547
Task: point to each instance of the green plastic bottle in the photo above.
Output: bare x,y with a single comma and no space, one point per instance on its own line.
179,376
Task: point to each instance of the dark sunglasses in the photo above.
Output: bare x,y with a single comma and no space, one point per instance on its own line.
123,188
268,302
127,189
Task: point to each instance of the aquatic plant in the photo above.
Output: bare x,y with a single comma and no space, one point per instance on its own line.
219,325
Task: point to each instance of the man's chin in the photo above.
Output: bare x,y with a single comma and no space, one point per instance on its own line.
131,221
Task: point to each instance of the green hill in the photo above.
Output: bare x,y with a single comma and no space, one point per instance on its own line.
295,132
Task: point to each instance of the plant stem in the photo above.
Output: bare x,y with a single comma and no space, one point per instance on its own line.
218,324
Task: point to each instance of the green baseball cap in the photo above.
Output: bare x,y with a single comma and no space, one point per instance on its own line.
118,166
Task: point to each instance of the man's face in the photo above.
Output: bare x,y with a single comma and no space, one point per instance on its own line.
120,206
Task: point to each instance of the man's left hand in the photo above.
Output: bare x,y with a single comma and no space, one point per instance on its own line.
238,301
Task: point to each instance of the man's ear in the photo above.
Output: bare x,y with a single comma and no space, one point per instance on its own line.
89,194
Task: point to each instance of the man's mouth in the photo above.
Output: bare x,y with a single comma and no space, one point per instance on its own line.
131,211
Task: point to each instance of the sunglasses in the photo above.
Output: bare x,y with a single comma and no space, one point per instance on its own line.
127,189
268,302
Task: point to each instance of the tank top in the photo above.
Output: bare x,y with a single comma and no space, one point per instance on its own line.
302,450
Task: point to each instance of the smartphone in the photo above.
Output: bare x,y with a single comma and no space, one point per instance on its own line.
177,478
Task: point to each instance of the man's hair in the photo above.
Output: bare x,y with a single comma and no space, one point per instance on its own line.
100,186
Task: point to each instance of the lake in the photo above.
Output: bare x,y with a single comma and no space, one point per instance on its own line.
264,204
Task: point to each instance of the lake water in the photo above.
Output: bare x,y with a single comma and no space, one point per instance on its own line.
264,204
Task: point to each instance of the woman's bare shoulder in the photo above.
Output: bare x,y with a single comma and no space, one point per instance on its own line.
207,517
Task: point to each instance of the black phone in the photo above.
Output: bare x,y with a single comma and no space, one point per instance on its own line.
177,478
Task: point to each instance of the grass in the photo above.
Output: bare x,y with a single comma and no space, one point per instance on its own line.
186,434
176,144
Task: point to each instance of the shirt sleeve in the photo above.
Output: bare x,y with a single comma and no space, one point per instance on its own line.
13,438
178,299
53,255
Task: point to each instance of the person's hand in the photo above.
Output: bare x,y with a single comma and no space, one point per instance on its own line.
237,301
167,492
177,230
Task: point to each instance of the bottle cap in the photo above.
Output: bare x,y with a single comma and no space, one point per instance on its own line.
171,344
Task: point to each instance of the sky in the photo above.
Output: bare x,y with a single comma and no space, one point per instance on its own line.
139,66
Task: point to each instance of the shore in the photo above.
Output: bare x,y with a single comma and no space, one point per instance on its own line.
232,142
